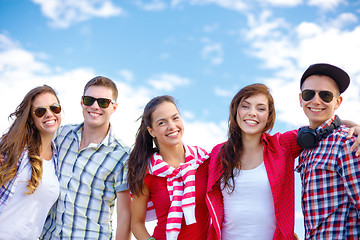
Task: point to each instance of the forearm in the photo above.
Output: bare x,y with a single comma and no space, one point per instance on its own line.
349,123
123,231
139,230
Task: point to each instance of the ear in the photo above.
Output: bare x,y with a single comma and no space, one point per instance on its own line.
300,100
338,102
150,131
115,105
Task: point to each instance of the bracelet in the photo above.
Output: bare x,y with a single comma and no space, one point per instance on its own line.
150,238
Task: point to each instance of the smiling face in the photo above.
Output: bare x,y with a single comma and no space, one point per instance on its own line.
49,123
317,110
166,125
95,116
253,114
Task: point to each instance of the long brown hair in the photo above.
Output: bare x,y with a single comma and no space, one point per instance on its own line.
23,134
231,151
143,149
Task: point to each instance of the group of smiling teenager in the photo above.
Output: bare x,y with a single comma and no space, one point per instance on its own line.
242,189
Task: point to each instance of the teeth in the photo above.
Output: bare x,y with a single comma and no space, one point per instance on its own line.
49,122
315,109
94,114
173,134
251,122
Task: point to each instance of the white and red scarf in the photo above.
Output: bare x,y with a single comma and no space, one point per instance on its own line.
181,187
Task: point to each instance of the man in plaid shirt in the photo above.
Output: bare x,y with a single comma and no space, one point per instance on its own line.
92,173
330,171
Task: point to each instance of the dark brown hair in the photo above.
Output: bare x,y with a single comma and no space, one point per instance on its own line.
231,151
143,149
23,134
103,82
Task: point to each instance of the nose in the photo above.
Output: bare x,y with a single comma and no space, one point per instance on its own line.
48,113
171,125
316,99
95,105
252,111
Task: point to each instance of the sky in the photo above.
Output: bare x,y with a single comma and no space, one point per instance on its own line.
202,52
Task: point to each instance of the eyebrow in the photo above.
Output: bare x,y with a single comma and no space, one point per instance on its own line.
260,104
162,119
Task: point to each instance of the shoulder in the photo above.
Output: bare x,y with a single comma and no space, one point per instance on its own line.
216,149
288,135
339,136
63,130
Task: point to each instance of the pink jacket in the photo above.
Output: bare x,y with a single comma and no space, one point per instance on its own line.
280,151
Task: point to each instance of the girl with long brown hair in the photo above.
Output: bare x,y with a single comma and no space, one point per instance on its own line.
250,191
29,185
170,175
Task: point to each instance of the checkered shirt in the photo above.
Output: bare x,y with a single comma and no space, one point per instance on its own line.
330,176
89,180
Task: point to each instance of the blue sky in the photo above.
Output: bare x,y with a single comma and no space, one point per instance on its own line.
199,51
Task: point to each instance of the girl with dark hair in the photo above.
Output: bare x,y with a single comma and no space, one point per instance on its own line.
29,185
250,193
169,174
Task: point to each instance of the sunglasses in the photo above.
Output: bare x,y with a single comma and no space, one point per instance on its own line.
40,111
308,94
102,102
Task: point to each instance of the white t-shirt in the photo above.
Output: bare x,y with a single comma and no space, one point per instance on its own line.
25,214
249,210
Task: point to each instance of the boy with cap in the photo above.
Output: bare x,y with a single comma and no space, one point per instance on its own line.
330,171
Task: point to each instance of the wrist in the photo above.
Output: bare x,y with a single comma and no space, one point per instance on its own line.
150,238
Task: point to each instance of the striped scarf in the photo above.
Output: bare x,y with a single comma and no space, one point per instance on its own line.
181,187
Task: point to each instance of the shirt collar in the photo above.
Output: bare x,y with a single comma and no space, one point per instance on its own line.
325,124
109,138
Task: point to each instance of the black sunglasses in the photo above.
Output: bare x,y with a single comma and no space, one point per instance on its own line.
102,102
40,111
308,94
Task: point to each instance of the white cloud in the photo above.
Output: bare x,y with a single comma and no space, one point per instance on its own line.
223,92
285,3
237,5
63,13
213,52
205,134
126,75
326,4
154,5
344,19
167,81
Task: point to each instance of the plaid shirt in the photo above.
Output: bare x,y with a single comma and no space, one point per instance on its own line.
89,180
330,176
280,151
7,191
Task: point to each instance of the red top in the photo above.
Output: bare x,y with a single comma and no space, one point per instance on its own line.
160,197
280,151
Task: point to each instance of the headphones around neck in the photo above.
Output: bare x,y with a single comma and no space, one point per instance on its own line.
309,138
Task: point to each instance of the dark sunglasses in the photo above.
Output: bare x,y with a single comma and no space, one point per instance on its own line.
308,94
40,111
102,102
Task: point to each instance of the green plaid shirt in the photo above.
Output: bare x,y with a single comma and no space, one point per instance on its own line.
89,180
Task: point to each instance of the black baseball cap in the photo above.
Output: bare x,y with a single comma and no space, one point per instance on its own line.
341,78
